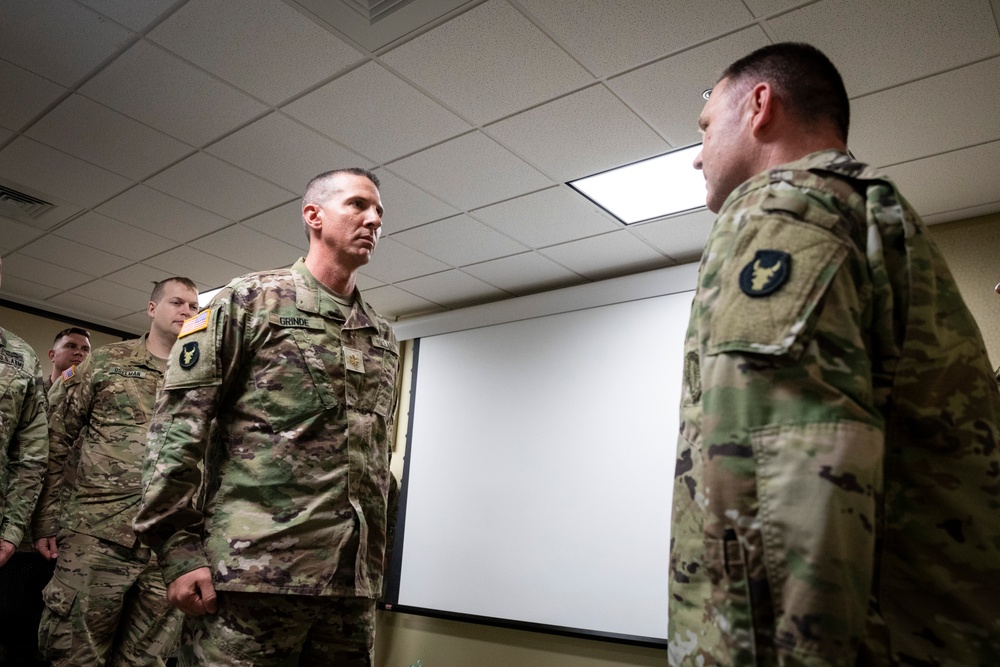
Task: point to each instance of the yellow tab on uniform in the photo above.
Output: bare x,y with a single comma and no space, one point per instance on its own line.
353,360
68,373
196,323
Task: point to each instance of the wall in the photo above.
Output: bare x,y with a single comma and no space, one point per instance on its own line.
39,331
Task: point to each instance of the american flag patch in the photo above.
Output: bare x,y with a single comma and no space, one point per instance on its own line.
68,373
196,323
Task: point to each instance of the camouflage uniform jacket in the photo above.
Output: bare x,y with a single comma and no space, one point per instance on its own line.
838,476
108,400
297,474
24,445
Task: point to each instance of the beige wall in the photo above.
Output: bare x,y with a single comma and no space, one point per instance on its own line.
972,248
38,332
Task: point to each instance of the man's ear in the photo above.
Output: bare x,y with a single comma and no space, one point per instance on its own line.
150,307
312,215
52,355
762,107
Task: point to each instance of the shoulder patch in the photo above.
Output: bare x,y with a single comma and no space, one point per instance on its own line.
189,355
69,373
765,273
196,323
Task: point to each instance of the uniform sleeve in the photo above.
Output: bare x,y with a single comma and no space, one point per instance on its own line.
201,368
792,449
27,453
69,404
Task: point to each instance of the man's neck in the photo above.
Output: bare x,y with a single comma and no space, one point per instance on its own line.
158,344
54,375
335,276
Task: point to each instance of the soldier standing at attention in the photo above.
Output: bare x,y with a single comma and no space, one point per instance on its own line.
284,564
70,347
838,469
106,602
24,449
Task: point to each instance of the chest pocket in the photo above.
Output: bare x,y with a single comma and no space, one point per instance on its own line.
14,385
118,403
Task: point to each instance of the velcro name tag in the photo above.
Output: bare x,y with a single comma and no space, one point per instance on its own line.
196,323
297,322
127,372
11,359
383,343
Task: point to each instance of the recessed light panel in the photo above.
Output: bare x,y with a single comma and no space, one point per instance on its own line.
649,189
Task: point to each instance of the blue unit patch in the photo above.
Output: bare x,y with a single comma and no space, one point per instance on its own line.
766,273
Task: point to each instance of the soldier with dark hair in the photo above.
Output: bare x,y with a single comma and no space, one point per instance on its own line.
106,603
283,563
69,348
838,471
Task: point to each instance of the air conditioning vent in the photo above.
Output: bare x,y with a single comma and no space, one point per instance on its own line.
16,204
375,10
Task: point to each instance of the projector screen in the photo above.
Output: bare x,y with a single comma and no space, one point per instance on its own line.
539,471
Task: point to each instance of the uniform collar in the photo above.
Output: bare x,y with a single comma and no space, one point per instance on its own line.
308,299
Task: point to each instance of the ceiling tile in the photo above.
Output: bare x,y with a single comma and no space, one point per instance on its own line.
97,231
18,287
951,181
85,259
459,241
964,213
526,273
918,119
143,278
135,15
58,39
161,214
5,134
51,172
393,261
106,291
391,302
159,89
606,256
25,95
212,184
487,63
283,223
579,135
266,48
681,237
667,93
398,119
14,234
547,217
51,275
406,205
610,36
470,171
97,134
880,44
284,152
199,266
255,250
761,8
84,307
364,282
453,289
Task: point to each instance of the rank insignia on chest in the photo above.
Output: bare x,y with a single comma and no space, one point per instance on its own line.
353,360
189,355
765,273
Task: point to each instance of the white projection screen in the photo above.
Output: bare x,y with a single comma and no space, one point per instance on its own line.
539,472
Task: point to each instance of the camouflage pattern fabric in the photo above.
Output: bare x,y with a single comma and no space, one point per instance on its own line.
266,630
109,402
100,421
24,443
298,473
838,476
107,600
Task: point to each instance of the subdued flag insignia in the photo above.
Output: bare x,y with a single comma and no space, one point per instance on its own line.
765,273
189,355
68,373
196,323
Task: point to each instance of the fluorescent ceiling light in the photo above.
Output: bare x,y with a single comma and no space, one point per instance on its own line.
206,296
649,189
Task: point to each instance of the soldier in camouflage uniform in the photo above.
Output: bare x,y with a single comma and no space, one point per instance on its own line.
284,564
106,602
838,475
24,448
